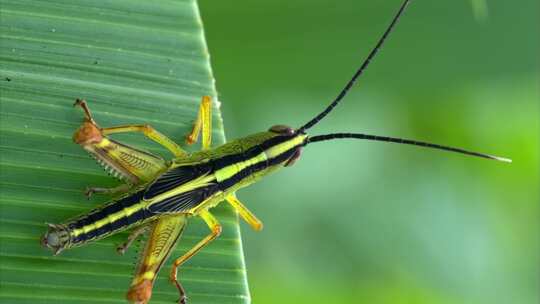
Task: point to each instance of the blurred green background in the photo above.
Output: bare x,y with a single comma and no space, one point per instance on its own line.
364,222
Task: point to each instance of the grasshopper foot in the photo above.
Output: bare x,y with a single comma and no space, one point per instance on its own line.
121,249
89,191
174,280
182,300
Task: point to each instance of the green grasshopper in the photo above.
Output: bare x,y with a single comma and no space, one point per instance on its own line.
160,196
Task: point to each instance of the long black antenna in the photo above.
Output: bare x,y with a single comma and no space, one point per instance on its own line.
359,72
402,141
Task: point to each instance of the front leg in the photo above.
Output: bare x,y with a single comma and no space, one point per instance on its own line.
121,249
203,123
89,191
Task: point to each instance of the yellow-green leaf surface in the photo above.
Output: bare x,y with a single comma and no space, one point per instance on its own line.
135,62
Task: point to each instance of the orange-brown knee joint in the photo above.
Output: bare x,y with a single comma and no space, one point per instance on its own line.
140,293
147,128
191,139
258,226
88,133
217,230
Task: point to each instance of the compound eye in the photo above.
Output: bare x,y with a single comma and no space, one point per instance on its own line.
52,239
282,129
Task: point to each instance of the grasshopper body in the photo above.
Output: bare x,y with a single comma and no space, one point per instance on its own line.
161,195
189,186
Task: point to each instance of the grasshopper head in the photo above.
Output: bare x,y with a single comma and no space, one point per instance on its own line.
293,134
56,238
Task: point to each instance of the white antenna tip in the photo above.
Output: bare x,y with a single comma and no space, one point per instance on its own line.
503,159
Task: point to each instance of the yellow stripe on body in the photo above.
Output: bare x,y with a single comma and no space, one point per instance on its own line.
229,171
277,150
111,218
199,182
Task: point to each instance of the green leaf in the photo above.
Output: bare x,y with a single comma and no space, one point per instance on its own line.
135,62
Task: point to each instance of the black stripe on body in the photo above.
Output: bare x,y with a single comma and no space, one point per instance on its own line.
176,177
184,174
184,201
223,185
228,160
249,154
101,213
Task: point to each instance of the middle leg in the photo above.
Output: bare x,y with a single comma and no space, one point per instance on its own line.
244,212
215,229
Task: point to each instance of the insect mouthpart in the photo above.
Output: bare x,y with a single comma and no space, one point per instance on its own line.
55,238
294,157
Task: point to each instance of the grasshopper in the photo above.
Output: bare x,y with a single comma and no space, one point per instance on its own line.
160,196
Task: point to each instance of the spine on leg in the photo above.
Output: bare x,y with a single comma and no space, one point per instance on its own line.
164,235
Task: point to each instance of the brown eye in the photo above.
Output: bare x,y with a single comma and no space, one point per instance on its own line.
282,129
